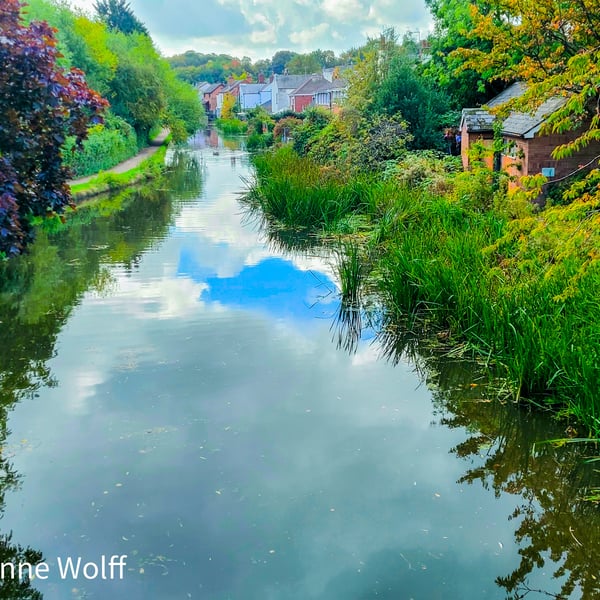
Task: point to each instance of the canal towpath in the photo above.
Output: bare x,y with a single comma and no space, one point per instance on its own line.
130,163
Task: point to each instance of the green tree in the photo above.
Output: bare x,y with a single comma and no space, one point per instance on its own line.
427,110
453,22
371,66
41,104
280,60
304,64
551,45
118,15
227,110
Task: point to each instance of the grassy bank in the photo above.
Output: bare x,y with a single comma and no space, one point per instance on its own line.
508,289
106,182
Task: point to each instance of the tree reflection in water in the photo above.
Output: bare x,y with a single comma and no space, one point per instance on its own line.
556,527
39,290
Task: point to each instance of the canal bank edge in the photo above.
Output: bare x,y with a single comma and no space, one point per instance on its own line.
147,164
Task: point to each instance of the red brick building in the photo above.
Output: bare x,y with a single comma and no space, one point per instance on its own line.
526,150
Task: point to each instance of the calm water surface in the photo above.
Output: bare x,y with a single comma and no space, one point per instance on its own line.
172,390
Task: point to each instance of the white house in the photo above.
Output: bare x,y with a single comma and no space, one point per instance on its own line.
282,86
250,95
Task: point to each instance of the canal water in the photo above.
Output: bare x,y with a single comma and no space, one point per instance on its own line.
176,388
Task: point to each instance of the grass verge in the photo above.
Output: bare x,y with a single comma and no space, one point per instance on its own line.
107,182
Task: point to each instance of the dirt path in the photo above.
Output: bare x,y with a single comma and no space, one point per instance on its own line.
130,163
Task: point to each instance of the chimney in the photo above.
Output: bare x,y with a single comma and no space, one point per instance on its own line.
230,80
261,78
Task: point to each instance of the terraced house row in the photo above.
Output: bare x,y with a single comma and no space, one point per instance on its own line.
282,92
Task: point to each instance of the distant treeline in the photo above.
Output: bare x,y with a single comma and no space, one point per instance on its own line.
194,67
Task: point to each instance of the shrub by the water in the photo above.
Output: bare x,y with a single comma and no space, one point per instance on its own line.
107,145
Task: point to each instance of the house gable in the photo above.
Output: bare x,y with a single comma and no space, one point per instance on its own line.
527,151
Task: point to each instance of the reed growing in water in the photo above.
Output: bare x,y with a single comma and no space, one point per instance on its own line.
482,278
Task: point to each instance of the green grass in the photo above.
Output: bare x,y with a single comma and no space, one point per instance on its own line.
529,309
105,147
106,182
295,191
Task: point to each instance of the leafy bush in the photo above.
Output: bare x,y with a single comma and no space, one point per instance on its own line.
107,145
316,119
382,140
286,126
426,170
259,141
231,126
41,103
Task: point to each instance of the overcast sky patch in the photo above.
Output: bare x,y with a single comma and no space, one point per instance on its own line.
258,28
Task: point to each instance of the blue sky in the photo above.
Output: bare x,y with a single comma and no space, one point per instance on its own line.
258,28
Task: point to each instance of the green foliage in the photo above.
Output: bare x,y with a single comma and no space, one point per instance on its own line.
285,128
426,110
383,140
231,126
118,16
106,146
41,104
315,120
149,168
304,64
184,114
299,193
260,129
194,67
280,60
127,69
388,80
371,68
465,87
426,170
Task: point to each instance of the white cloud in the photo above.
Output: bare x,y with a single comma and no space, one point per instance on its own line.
345,11
308,36
258,28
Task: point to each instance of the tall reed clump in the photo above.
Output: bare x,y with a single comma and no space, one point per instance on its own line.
521,292
300,194
441,265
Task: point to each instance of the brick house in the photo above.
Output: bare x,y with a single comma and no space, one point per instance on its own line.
303,96
319,91
526,151
209,98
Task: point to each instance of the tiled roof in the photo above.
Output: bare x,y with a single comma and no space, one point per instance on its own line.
477,120
251,88
291,82
516,90
212,88
517,123
319,84
309,87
